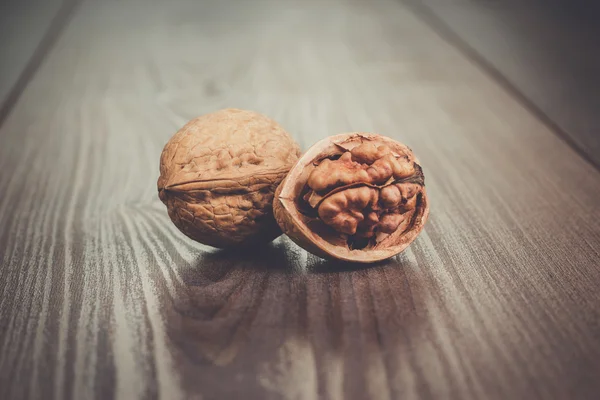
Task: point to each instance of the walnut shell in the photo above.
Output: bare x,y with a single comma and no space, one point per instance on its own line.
218,175
355,196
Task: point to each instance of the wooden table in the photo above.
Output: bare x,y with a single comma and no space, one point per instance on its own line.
102,297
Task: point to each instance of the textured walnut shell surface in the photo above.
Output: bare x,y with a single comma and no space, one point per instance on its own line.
218,175
339,233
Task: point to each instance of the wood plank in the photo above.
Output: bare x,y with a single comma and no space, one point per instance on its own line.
101,297
25,30
547,50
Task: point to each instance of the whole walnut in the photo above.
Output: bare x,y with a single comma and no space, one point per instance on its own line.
355,196
218,175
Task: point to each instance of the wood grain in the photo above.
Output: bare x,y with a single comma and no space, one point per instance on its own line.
102,297
545,49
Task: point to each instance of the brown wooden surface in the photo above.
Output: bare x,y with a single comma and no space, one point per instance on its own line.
102,297
26,29
547,50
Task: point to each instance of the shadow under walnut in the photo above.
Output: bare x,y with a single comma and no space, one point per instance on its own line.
250,325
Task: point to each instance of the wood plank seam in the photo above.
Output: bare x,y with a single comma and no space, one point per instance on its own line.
57,25
444,31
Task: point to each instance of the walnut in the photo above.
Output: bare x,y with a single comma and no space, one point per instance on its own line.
356,197
219,173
